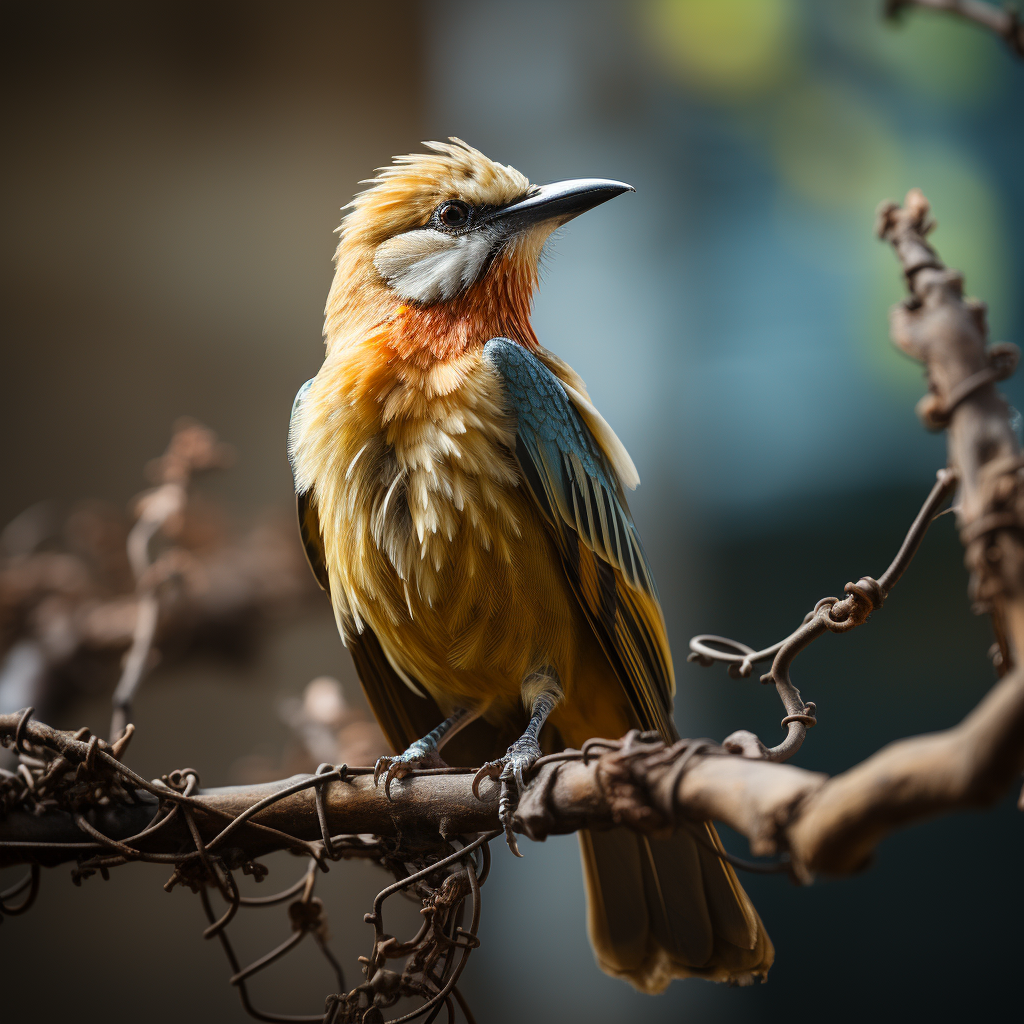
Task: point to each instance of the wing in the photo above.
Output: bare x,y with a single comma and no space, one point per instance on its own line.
402,715
309,524
574,466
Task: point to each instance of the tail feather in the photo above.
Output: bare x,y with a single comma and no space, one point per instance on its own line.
668,880
668,908
732,914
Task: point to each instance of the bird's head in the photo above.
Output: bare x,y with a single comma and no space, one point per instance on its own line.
448,242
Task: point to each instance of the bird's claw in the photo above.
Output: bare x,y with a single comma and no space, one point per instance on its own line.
397,766
508,771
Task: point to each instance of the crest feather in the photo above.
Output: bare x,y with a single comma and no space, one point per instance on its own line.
404,194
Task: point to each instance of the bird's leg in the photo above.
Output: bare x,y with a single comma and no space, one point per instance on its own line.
423,753
541,693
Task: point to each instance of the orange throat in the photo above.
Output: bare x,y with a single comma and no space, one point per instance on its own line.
498,305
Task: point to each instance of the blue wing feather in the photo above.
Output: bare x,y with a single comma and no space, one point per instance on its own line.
578,490
575,476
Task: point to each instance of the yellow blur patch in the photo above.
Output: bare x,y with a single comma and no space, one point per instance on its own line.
834,149
728,47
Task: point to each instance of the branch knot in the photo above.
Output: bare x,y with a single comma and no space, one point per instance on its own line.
863,597
935,413
992,539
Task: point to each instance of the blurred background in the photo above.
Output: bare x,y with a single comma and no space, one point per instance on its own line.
173,176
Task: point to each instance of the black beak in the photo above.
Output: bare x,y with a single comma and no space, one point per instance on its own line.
559,201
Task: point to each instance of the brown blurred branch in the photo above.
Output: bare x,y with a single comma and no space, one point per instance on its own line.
330,728
1005,22
77,597
193,449
938,327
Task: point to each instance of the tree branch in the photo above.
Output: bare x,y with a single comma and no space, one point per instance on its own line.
1004,22
830,614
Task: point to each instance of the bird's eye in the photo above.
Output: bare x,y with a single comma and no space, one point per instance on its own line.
454,214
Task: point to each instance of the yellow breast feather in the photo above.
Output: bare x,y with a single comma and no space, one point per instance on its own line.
427,534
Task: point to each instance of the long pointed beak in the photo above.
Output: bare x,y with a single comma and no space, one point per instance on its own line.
559,201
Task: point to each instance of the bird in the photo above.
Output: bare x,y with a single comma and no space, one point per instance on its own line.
463,503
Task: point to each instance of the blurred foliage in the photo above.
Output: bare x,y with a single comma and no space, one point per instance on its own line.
728,49
941,56
819,89
832,147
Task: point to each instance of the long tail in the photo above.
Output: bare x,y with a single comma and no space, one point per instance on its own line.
660,909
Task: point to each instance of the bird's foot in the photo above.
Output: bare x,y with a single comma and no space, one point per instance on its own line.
508,771
421,754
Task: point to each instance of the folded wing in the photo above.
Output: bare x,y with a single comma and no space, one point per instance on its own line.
574,466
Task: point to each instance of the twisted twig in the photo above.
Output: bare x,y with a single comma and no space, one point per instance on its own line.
830,614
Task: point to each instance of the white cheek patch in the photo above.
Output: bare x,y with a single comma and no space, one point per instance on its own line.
430,266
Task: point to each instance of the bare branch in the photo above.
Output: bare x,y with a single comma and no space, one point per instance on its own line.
103,589
937,326
830,614
193,449
829,825
1004,22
